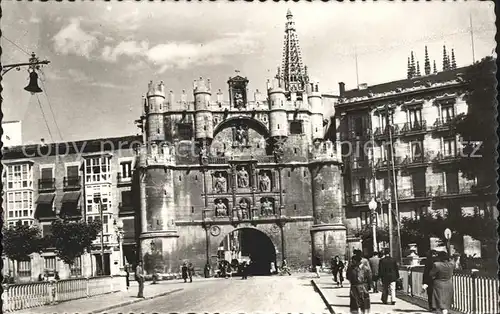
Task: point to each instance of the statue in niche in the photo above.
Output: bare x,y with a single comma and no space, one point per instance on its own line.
243,178
220,209
267,207
241,135
239,102
243,209
278,151
203,155
220,185
265,182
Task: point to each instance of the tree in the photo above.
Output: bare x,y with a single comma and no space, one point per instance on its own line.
71,238
478,126
20,241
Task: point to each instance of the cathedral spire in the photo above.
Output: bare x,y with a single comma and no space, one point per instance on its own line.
445,59
418,68
434,70
409,68
427,65
453,62
293,72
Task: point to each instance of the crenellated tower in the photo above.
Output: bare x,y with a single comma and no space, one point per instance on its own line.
204,127
154,112
316,106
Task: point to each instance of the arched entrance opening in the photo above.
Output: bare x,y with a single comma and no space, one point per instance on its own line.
249,244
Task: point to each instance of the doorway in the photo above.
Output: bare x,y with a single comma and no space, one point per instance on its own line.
99,271
249,244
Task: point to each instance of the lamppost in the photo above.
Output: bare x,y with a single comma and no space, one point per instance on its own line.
33,65
119,232
372,205
97,199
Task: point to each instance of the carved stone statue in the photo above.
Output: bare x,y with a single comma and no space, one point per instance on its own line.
220,185
241,135
243,209
204,155
266,208
278,151
242,178
265,182
220,209
238,100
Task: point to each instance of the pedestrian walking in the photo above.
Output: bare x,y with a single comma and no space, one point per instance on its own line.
190,271
374,262
285,268
442,290
427,280
244,270
139,276
272,268
365,262
337,267
359,276
184,271
317,265
388,273
127,274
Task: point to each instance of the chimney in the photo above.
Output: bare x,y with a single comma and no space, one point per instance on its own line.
341,89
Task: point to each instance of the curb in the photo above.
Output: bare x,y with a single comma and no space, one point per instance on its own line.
318,290
135,301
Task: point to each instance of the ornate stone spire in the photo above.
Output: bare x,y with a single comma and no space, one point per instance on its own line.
446,62
453,62
418,68
434,70
409,68
293,72
412,65
427,65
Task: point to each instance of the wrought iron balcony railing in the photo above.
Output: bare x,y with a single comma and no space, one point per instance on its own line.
46,184
463,189
123,180
414,128
359,198
443,124
383,133
382,163
72,183
419,160
447,157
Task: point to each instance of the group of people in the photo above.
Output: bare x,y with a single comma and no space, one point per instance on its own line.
187,271
227,269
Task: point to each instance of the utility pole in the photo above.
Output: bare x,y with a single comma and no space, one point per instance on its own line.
388,125
472,37
97,199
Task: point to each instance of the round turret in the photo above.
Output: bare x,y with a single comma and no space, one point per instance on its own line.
316,105
155,109
204,127
278,122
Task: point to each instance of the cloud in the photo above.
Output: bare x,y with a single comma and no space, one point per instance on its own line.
185,54
72,39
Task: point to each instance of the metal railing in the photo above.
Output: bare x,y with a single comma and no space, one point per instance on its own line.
441,190
46,184
442,124
123,180
414,127
472,293
72,183
30,295
380,133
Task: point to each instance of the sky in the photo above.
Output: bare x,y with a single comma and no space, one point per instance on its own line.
103,54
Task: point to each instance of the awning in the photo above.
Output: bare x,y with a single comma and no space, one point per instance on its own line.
70,209
71,197
45,198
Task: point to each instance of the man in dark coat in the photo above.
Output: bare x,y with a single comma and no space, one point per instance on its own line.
427,280
139,276
374,261
184,271
190,271
388,272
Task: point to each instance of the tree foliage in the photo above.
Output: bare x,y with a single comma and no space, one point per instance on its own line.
71,238
20,241
479,125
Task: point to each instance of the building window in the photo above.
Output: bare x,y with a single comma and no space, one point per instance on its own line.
449,147
419,212
19,177
415,118
365,218
185,131
50,263
358,126
97,169
24,268
104,192
105,226
418,182
72,172
125,170
296,127
126,198
383,119
447,112
416,149
20,204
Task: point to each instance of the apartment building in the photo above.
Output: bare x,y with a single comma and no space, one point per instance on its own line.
414,115
42,182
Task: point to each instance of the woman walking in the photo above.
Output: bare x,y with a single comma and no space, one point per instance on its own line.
337,270
360,278
442,290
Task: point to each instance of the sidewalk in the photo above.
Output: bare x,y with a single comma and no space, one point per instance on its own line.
338,298
109,301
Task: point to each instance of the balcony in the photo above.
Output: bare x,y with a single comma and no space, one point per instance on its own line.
126,209
383,133
443,125
46,185
443,191
411,194
447,158
414,128
359,199
120,180
72,183
382,164
360,164
416,161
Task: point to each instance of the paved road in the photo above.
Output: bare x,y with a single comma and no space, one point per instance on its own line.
256,294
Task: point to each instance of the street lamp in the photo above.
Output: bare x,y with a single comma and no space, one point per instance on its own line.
119,232
372,205
97,199
33,65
